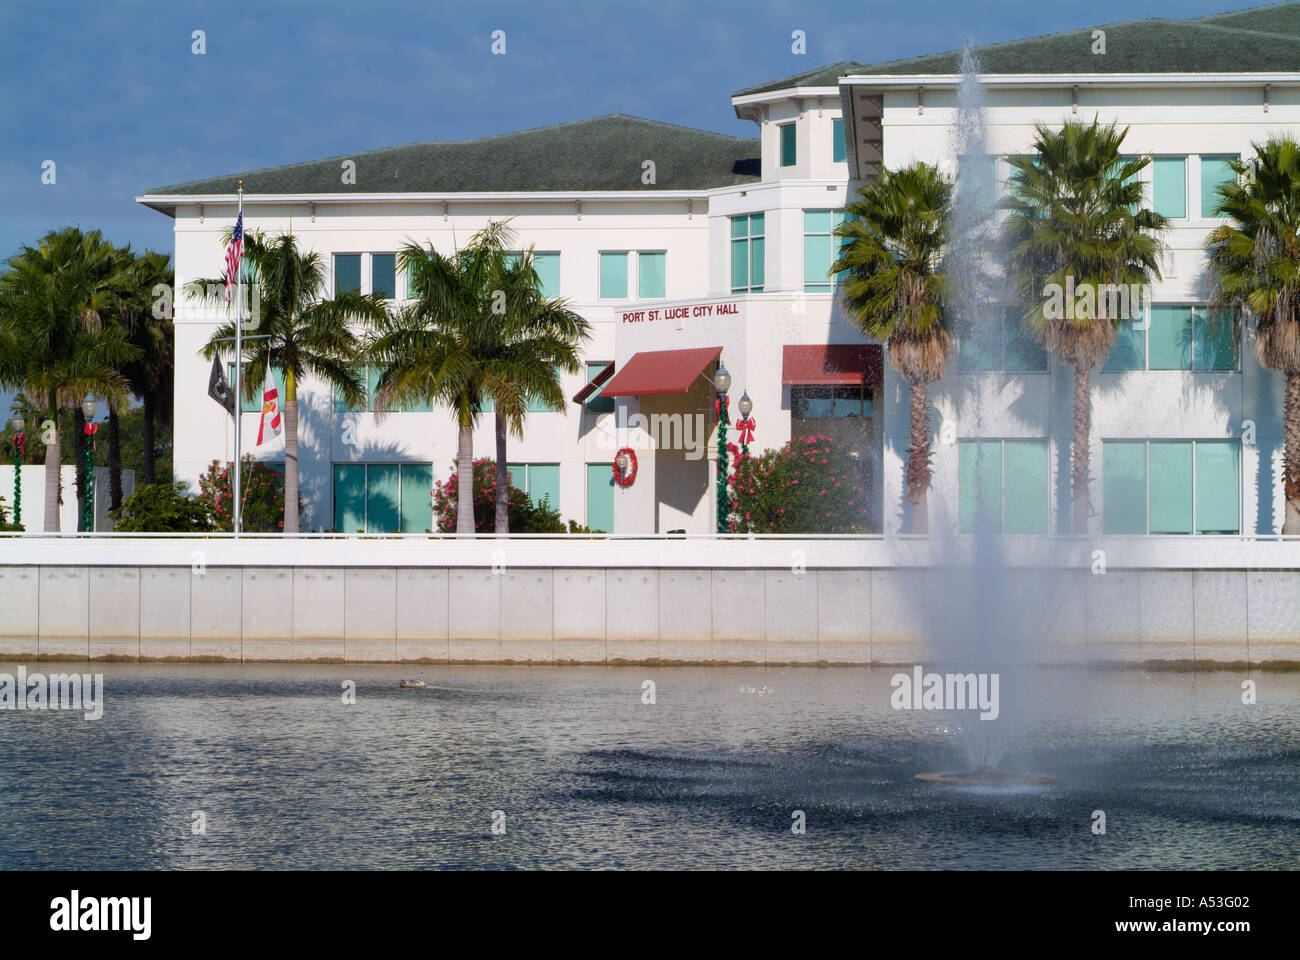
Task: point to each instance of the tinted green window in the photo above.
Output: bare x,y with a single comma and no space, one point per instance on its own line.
417,505
739,266
1024,353
739,227
596,403
347,272
613,276
1169,338
819,248
535,405
1025,469
255,404
651,275
349,497
547,266
1218,487
1170,482
410,284
1216,341
544,483
979,481
980,345
1124,487
600,497
1129,351
1169,186
756,265
383,275
747,253
383,498
340,406
788,149
1214,171
837,141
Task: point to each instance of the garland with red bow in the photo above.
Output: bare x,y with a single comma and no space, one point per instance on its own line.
746,427
92,429
625,480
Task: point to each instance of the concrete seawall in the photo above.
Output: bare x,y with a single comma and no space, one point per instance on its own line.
556,601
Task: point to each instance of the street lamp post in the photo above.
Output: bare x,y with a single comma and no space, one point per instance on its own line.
746,423
18,443
89,407
722,383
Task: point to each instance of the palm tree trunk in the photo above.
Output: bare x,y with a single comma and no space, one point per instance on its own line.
465,480
290,463
114,460
150,405
1291,455
52,471
918,458
503,478
79,462
1079,455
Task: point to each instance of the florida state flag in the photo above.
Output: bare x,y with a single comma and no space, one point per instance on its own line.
268,425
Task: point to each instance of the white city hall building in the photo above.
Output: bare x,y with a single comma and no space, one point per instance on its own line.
686,249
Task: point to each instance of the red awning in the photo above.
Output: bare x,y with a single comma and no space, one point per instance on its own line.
606,372
660,371
845,364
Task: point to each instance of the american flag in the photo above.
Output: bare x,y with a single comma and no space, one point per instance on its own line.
234,251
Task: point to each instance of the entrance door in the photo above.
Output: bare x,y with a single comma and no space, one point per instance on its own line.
600,497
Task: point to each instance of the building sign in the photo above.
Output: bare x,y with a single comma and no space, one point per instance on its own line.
681,312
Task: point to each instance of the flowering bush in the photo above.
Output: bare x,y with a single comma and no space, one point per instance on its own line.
526,516
262,492
811,485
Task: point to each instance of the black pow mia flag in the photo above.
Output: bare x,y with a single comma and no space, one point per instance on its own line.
219,388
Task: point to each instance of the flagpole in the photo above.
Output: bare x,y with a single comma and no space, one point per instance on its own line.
239,363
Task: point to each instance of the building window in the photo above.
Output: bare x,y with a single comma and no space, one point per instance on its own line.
600,497
535,405
1171,486
613,275
369,377
254,405
999,340
747,253
547,265
820,246
837,141
821,403
651,274
1177,337
1169,186
1215,171
1004,484
541,481
788,144
595,402
383,275
383,497
347,273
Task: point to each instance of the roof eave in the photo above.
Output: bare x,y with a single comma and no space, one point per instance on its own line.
1079,79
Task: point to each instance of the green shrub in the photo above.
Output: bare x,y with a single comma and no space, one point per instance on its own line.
261,489
526,516
5,525
811,485
161,508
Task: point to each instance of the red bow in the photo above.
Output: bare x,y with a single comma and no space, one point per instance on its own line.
720,405
20,441
746,428
92,429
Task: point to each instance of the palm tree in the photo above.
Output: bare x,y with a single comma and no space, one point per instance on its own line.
534,336
1076,222
302,333
57,346
1255,272
150,330
894,290
436,349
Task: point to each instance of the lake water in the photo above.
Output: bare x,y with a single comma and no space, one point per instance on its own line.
587,775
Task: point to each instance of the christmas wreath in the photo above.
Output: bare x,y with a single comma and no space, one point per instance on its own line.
625,467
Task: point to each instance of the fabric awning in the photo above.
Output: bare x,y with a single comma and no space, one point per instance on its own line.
660,371
832,364
595,383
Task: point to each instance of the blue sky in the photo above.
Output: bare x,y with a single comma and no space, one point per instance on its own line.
113,95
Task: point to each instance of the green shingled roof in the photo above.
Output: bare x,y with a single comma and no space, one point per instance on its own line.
1257,39
601,154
